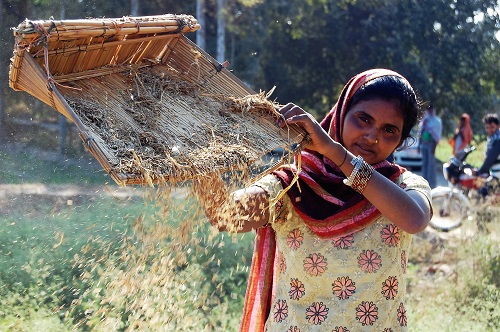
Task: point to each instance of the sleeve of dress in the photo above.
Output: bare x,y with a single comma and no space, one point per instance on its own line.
273,187
412,181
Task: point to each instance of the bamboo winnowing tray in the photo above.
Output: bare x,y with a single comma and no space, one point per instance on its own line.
149,104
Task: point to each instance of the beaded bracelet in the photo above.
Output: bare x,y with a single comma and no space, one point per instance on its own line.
360,175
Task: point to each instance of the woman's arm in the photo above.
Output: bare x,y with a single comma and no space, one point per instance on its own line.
409,210
239,211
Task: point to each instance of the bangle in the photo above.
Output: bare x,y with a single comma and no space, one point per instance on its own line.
343,161
360,175
356,162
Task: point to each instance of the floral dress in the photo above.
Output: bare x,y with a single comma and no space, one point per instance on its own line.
351,283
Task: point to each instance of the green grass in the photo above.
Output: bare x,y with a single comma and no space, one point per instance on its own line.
475,158
24,167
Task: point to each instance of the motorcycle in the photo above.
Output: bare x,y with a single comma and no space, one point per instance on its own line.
457,202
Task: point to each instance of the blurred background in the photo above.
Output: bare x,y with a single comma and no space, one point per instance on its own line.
79,254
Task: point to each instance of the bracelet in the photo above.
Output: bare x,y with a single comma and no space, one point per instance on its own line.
343,161
356,162
360,175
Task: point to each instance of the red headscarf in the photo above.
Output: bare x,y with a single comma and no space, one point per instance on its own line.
328,207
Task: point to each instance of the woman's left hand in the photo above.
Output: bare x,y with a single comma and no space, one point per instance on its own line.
318,139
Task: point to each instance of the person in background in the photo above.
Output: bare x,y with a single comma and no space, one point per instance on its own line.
335,226
430,131
491,164
463,135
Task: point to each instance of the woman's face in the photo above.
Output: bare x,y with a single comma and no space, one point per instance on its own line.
373,129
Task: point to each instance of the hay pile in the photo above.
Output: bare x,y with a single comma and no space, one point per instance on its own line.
161,128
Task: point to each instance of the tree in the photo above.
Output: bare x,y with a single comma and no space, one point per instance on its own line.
200,16
313,47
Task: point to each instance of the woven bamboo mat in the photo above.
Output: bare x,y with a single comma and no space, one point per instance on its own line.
150,105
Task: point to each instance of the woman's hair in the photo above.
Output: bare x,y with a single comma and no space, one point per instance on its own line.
396,90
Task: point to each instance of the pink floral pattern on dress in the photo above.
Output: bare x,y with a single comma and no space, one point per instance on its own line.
340,329
343,288
280,311
315,264
297,289
317,313
344,242
390,235
390,288
293,329
403,261
402,319
367,313
294,239
281,262
369,261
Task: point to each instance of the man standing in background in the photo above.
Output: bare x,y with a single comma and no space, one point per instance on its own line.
430,131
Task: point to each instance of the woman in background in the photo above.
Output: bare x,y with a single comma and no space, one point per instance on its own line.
463,135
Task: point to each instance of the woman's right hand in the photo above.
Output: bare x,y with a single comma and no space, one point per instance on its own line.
317,138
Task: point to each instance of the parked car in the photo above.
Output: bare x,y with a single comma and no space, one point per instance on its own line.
410,157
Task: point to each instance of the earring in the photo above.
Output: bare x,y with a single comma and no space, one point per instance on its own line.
376,141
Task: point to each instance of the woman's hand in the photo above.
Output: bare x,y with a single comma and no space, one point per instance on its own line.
318,139
239,211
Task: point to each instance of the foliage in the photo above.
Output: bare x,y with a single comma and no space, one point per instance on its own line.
309,49
318,45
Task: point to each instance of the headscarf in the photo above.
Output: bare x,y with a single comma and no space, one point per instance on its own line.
328,207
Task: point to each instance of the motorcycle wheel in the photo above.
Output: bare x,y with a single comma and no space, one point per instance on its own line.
450,210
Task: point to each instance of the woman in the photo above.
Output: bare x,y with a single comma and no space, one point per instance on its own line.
333,229
463,135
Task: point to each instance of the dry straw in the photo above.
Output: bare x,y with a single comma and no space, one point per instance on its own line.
150,105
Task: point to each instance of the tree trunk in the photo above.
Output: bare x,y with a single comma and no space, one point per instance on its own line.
221,31
134,7
200,16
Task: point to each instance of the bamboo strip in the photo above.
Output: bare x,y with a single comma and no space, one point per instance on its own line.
102,32
93,46
96,73
125,21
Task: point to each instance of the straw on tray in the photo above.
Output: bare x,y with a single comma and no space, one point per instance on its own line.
150,105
